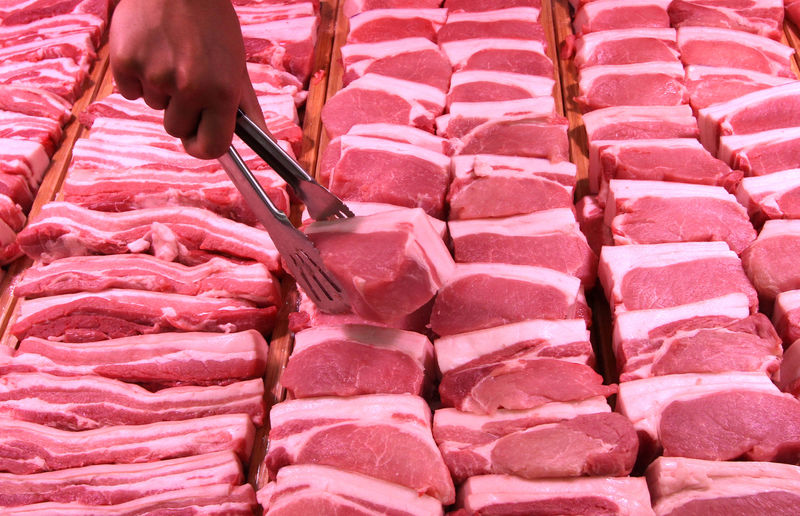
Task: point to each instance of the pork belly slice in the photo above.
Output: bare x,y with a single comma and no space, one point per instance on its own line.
692,486
44,131
725,416
268,80
11,213
549,238
523,136
25,158
786,316
487,185
216,499
626,46
762,153
34,448
465,116
641,277
353,359
734,49
505,495
554,440
654,212
218,277
136,188
89,402
395,24
27,11
16,188
677,160
520,22
499,54
640,122
771,261
54,25
490,86
412,59
61,76
114,313
155,361
638,84
762,17
77,47
187,234
389,264
378,170
312,489
602,15
789,377
484,295
711,336
772,108
34,102
117,106
709,85
373,435
119,483
375,98
772,196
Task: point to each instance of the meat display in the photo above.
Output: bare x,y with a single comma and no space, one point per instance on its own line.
395,24
770,261
500,22
709,85
754,16
490,85
771,196
522,56
602,15
412,59
786,315
626,46
638,84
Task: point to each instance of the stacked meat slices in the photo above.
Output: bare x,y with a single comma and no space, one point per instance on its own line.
137,383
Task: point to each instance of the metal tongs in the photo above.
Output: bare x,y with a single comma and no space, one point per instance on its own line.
301,257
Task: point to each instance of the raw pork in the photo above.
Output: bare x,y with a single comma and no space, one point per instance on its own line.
45,131
465,116
786,316
521,136
771,261
638,84
640,277
510,23
602,15
373,435
762,153
61,76
489,5
357,359
764,17
553,440
525,56
774,196
789,377
734,49
28,159
626,46
34,102
26,11
488,86
353,7
395,24
709,85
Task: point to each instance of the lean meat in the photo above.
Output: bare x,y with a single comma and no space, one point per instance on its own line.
771,261
353,7
773,196
553,440
638,84
520,136
489,86
725,416
711,336
789,377
286,44
786,316
358,359
17,12
524,56
465,116
764,17
312,489
53,25
709,85
389,428
692,486
602,15
395,24
152,360
509,22
488,5
734,49
38,448
640,277
762,153
626,46
17,190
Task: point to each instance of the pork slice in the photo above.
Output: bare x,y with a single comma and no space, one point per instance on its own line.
762,17
488,185
32,448
268,80
771,108
27,11
259,12
312,489
521,136
772,196
712,336
724,416
77,47
358,359
57,24
626,46
589,212
152,360
34,102
214,500
113,313
693,486
28,159
483,295
362,209
188,234
786,315
287,44
11,213
601,15
465,116
638,84
640,123
389,264
119,483
218,277
735,49
59,75
640,277
789,377
482,6
554,440
373,435
378,99
505,494
116,106
549,238
762,153
488,86
654,212
520,22
16,188
499,54
678,160
565,340
395,24
353,7
412,59
709,85
45,131
378,170
770,261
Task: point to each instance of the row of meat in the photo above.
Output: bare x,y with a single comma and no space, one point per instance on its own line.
137,386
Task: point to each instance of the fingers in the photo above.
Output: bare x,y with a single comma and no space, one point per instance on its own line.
214,133
182,117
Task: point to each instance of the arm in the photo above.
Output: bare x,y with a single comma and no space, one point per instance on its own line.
185,57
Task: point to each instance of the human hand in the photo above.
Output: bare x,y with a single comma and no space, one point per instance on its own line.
186,57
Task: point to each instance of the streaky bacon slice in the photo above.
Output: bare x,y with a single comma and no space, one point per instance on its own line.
773,196
155,361
602,15
626,46
60,76
19,126
188,235
34,102
119,483
77,47
114,313
32,448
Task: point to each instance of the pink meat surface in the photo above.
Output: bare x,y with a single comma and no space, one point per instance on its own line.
762,153
773,196
763,17
34,102
517,136
412,59
709,85
734,49
499,54
638,84
353,7
394,24
640,122
45,131
601,15
786,316
771,261
485,5
489,86
510,22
